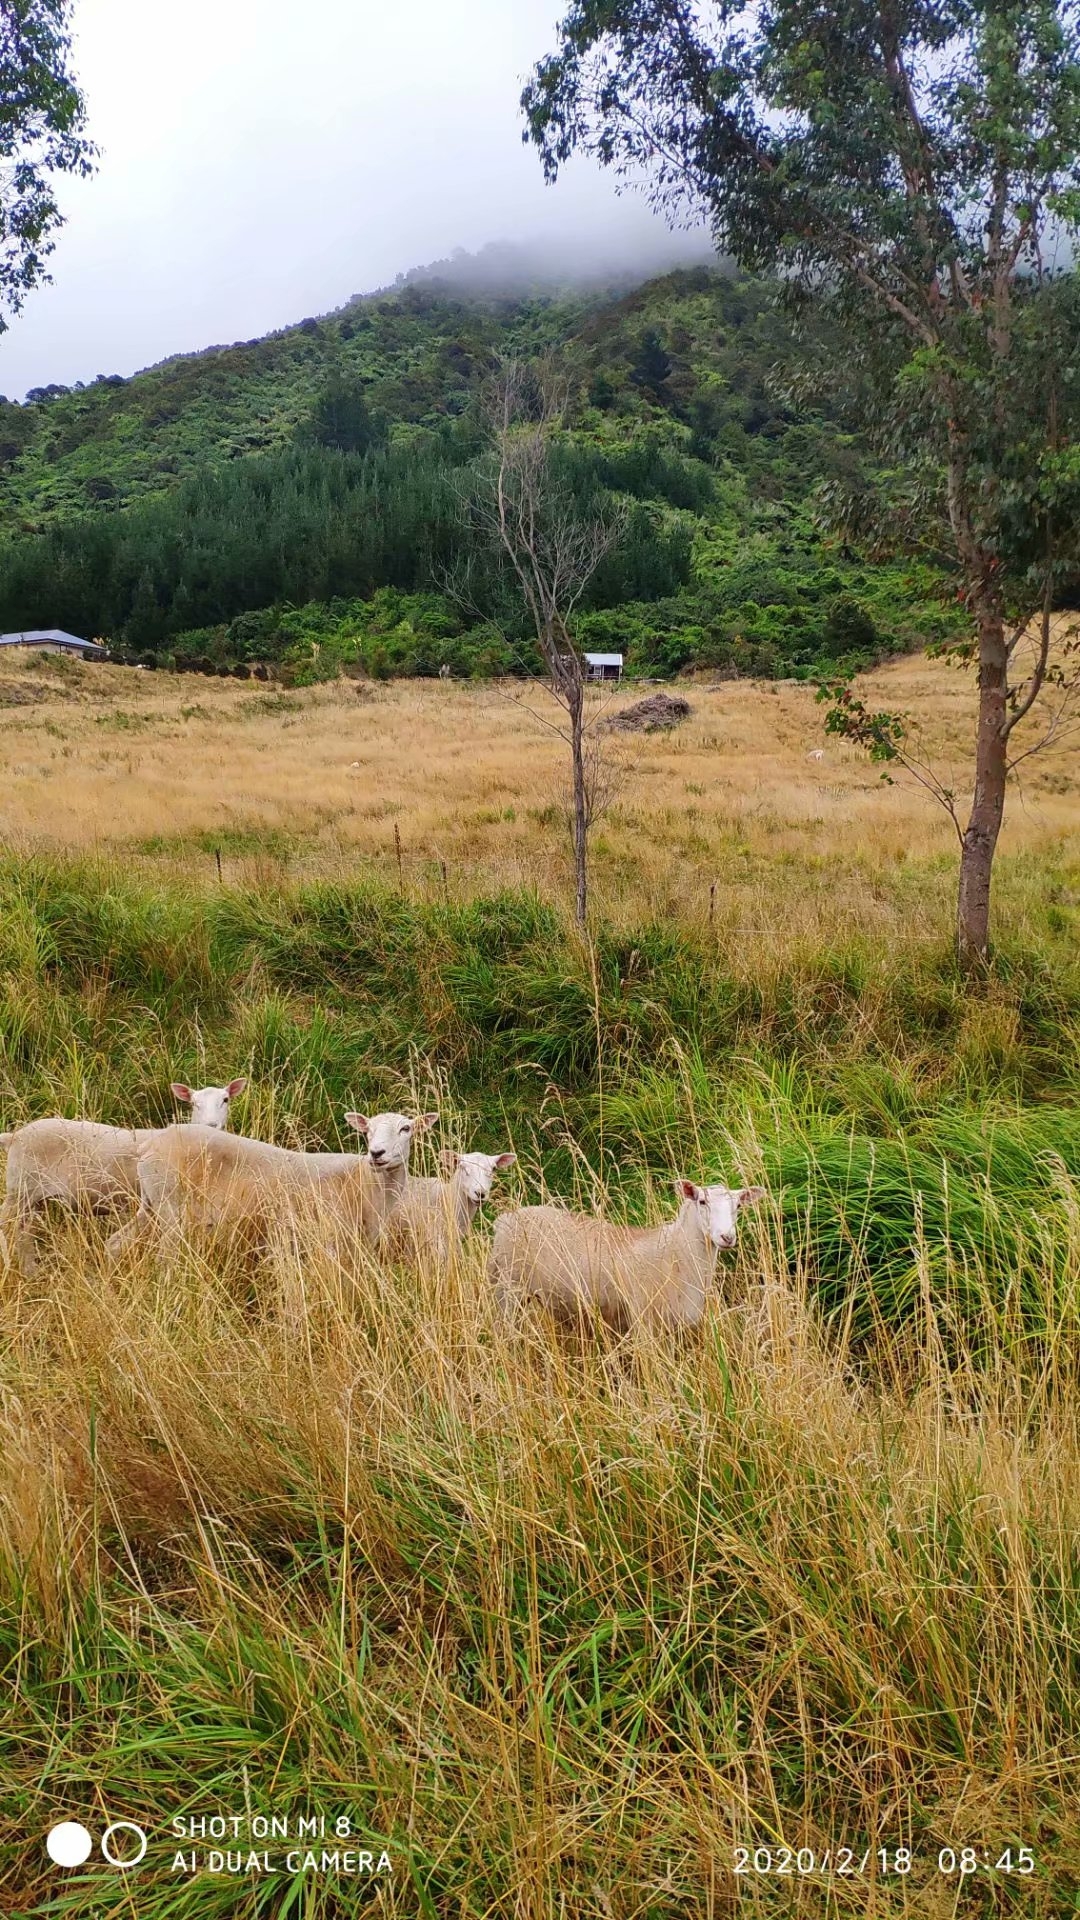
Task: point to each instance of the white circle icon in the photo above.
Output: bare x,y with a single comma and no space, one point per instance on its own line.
124,1826
68,1844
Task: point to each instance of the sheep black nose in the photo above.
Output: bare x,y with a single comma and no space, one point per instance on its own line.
378,1155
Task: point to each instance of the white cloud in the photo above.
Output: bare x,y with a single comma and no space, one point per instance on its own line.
264,159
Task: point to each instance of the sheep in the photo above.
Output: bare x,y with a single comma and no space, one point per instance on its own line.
81,1163
434,1216
579,1265
196,1179
209,1105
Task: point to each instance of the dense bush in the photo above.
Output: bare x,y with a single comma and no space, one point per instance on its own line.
391,633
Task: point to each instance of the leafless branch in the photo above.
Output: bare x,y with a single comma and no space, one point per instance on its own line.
605,777
1023,697
924,774
551,551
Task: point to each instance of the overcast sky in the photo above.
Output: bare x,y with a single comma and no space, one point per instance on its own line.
263,159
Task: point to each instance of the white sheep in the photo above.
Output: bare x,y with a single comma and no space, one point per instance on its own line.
196,1180
434,1216
581,1266
82,1163
209,1105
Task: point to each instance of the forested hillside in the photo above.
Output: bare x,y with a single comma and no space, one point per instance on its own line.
299,498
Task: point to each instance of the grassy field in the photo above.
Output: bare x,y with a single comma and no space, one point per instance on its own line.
560,1627
166,769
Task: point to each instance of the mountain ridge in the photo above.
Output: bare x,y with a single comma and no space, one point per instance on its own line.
323,463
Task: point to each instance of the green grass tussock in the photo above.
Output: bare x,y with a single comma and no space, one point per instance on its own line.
862,1094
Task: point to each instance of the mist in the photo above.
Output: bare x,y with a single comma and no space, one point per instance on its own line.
262,162
564,261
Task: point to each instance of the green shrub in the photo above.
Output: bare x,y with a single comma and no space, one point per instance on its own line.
848,628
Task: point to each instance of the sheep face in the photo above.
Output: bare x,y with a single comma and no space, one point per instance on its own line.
475,1172
209,1105
718,1209
389,1136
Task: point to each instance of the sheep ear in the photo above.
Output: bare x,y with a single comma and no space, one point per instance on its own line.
359,1122
425,1120
181,1091
448,1159
235,1088
505,1159
749,1196
687,1190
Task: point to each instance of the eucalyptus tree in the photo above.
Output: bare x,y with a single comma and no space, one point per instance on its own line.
42,134
910,171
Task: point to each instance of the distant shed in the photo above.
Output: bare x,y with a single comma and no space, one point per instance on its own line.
55,640
603,666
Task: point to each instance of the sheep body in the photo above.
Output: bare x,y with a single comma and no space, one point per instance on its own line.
434,1215
581,1266
196,1180
83,1164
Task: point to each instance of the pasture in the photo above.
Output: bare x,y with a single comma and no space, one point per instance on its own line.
166,770
560,1626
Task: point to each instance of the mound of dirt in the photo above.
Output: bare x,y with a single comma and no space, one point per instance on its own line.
647,716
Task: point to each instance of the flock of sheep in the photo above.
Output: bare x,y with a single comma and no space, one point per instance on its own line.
199,1178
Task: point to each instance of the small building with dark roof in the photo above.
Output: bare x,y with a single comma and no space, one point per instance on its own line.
603,666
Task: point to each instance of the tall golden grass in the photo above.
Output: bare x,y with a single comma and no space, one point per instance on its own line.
561,1624
167,769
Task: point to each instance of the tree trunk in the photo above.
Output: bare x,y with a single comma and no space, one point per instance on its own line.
988,805
581,829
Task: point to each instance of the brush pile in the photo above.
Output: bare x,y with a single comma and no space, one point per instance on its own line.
649,716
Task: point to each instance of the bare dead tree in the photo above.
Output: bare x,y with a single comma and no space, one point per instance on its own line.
550,551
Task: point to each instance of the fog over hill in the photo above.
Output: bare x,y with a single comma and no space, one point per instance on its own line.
520,269
304,490
563,261
270,159
501,270
507,269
